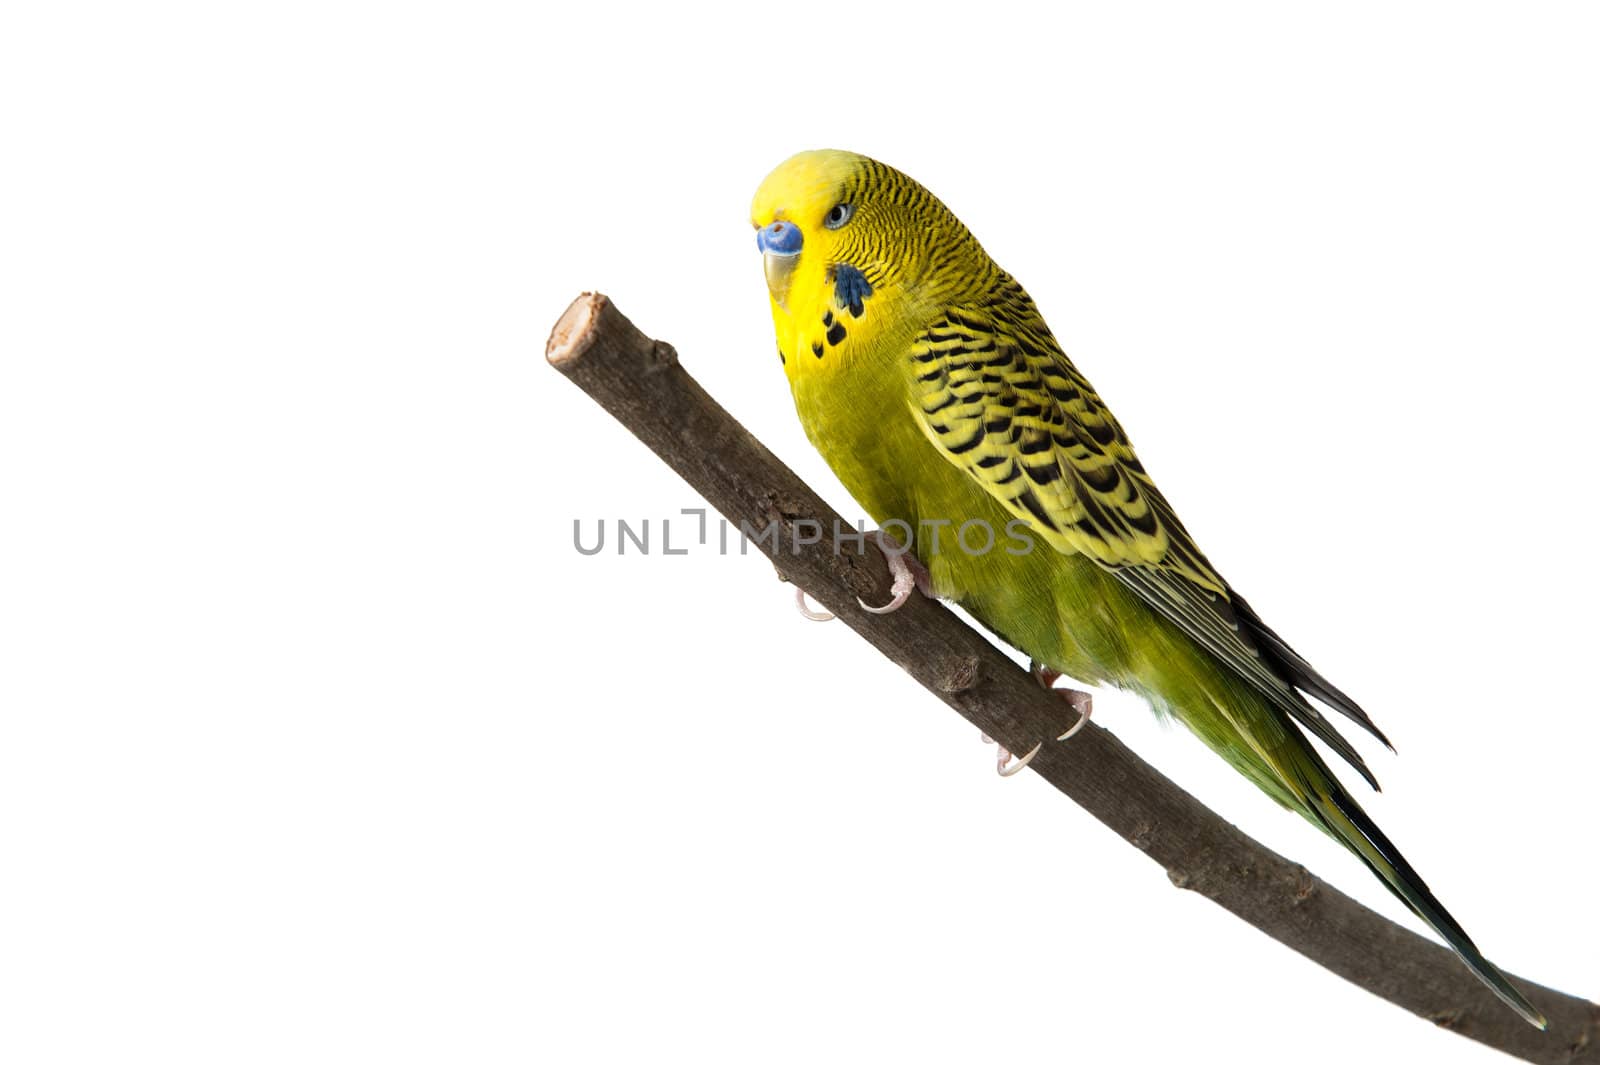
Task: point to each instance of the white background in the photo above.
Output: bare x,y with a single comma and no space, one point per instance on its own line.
322,743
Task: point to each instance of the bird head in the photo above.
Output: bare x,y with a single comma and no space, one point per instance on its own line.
826,209
801,212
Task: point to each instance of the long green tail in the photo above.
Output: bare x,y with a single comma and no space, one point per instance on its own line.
1339,814
1260,742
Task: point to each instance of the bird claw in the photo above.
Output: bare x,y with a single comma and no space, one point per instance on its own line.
908,573
1019,765
904,585
805,609
1082,702
909,576
1003,764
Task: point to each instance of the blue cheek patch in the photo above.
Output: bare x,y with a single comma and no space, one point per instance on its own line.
851,288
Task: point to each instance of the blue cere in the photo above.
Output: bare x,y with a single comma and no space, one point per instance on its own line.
851,288
780,238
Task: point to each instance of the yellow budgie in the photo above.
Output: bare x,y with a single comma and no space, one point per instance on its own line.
927,379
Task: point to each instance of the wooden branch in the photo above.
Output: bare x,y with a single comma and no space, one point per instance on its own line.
639,381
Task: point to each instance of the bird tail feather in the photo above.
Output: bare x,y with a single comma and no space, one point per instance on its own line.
1339,813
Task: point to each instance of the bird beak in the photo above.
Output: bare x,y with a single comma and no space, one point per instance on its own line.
780,245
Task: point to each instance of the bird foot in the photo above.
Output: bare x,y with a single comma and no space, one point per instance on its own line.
1082,702
909,574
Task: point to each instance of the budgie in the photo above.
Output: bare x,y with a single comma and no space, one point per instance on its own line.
929,382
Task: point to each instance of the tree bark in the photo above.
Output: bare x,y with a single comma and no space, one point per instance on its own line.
639,381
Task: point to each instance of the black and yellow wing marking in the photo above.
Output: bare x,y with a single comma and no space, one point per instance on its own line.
997,397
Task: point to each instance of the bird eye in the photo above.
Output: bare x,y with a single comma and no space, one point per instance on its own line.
839,215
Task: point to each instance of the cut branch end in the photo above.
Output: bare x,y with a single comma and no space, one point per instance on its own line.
575,330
